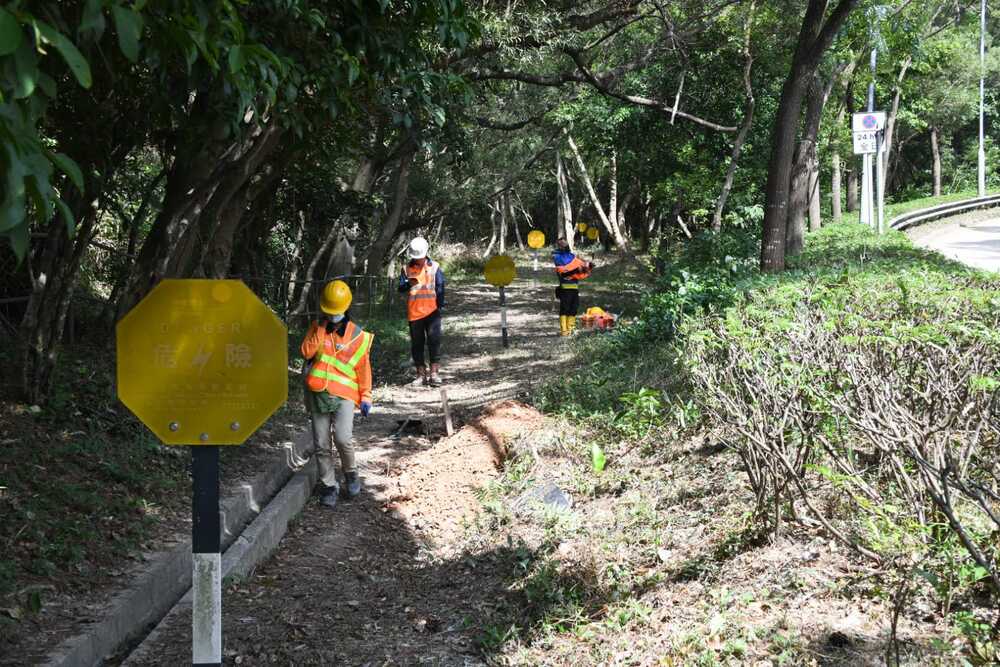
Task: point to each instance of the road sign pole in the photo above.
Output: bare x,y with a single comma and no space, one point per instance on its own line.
206,582
867,194
880,169
866,174
503,317
982,103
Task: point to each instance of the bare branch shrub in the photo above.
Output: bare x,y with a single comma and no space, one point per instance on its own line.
847,421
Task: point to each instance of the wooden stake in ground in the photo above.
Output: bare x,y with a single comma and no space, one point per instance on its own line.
448,428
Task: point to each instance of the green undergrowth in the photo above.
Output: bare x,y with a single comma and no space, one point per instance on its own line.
655,396
86,485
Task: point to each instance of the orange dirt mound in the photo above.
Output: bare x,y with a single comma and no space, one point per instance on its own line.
436,489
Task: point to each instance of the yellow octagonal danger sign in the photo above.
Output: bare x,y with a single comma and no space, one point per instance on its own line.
500,271
202,362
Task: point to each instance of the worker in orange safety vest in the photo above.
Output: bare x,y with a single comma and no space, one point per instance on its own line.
423,281
571,270
338,380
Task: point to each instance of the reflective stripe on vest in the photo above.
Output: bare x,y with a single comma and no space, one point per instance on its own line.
420,303
329,367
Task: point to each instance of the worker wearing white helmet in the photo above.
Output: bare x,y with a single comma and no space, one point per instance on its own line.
423,281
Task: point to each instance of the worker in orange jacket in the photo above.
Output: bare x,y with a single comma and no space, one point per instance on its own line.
571,270
422,280
338,380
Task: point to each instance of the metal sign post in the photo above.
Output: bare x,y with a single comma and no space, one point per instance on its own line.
500,272
206,579
867,132
503,317
203,363
880,180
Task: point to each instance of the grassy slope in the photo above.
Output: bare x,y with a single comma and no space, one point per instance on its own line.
660,562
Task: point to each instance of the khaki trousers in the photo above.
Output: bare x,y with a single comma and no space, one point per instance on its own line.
342,421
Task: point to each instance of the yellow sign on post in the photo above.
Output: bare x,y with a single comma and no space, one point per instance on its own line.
500,271
202,362
536,239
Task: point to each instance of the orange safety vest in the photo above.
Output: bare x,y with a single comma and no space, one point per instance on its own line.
570,273
333,367
423,297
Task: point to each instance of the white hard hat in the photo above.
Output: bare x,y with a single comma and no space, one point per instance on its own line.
418,248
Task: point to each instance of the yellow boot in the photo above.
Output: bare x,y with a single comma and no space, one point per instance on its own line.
570,324
563,326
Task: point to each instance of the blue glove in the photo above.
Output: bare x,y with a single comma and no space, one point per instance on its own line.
366,407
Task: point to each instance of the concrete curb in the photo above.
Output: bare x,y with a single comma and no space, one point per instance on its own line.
168,576
257,542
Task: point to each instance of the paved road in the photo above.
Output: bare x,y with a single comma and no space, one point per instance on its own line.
975,245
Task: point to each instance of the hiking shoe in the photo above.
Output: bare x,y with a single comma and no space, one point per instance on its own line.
352,485
328,498
435,381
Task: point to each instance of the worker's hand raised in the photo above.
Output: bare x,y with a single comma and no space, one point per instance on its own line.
366,407
412,281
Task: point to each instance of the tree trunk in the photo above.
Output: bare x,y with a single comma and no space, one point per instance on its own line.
513,222
936,164
202,176
613,189
626,202
835,170
835,188
310,274
647,222
493,230
564,208
888,165
814,194
295,261
741,136
852,190
814,38
377,253
609,226
734,158
805,169
779,176
53,282
503,223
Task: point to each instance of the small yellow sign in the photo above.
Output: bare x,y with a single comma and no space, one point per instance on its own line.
202,362
592,233
581,227
500,271
536,239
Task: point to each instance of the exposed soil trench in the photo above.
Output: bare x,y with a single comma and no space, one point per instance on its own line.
385,579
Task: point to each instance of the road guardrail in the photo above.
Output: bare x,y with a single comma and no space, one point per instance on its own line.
913,218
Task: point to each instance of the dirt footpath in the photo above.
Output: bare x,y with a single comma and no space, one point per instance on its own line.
385,579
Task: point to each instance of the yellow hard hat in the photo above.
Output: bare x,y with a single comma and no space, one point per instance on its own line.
595,310
336,298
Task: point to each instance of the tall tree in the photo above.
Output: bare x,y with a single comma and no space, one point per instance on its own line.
817,33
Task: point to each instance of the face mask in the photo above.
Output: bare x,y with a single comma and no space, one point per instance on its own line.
336,318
